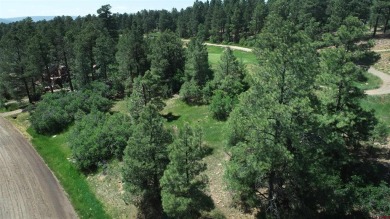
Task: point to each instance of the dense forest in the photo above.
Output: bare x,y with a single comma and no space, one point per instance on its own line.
298,140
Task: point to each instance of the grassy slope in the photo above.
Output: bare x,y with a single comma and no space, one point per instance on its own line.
55,152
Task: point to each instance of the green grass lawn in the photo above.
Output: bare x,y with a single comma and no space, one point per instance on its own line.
215,53
182,113
372,82
381,105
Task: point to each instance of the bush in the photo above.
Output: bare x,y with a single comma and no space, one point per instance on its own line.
97,138
115,134
50,115
84,140
56,111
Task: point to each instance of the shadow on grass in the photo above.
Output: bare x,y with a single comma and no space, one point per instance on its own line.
170,117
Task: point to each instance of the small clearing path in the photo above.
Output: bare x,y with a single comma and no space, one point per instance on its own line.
28,189
11,113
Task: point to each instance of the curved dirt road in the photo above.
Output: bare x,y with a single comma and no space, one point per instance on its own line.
28,189
385,87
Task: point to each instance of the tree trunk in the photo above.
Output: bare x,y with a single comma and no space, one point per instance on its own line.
33,86
68,71
387,21
27,91
376,24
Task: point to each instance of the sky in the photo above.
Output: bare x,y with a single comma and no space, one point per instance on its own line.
23,8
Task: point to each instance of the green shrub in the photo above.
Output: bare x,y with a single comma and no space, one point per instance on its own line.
56,111
97,138
84,141
50,115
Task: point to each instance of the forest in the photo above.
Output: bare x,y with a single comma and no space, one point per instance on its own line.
287,127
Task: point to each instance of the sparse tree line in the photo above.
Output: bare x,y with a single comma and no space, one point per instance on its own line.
298,137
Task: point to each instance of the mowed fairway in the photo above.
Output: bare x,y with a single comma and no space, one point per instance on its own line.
27,187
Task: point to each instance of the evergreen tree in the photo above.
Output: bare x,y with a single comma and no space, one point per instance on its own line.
84,56
258,17
228,84
197,72
145,160
108,20
103,52
167,60
131,56
15,57
182,185
268,124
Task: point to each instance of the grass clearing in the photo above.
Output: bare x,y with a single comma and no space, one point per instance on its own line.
248,58
55,152
372,82
179,113
381,105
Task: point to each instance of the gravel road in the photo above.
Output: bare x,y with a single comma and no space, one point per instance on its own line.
28,188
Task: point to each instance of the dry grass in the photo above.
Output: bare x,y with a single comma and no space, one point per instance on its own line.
384,63
21,122
382,44
107,186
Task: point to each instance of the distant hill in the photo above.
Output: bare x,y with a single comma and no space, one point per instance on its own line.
4,21
34,18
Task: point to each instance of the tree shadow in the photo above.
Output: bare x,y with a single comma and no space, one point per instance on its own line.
203,201
170,117
373,164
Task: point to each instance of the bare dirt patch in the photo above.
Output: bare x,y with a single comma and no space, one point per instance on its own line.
384,62
382,44
28,189
108,187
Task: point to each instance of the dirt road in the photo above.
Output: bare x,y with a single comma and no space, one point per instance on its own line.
231,47
28,189
11,113
385,87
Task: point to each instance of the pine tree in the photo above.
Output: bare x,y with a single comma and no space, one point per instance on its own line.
268,124
103,52
197,72
167,60
183,185
228,84
145,160
131,56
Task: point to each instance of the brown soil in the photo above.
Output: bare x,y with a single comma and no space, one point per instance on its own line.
28,188
382,44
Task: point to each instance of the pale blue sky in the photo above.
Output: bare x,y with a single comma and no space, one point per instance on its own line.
21,8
